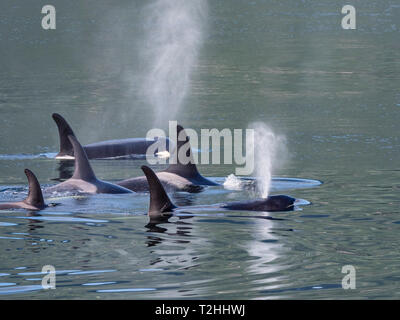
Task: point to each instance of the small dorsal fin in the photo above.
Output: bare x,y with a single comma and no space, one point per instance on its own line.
35,196
159,200
64,130
83,169
185,170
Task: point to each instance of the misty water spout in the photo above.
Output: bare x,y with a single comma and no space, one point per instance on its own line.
172,43
269,154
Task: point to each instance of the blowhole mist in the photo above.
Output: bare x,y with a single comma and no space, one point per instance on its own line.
172,40
270,154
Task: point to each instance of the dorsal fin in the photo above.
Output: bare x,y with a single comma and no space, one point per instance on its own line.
185,170
159,200
189,170
64,130
83,169
35,196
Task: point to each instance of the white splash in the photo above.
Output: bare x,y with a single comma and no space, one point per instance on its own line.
65,157
172,43
269,154
163,154
233,183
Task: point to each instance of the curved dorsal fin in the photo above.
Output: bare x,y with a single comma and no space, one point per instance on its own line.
83,169
159,200
35,196
185,170
64,130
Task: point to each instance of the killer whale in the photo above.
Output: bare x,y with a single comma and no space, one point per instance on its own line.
161,206
104,149
84,179
178,176
34,200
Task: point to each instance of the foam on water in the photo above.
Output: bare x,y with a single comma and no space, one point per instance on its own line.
233,183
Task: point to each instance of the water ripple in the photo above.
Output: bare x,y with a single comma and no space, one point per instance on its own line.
125,290
19,289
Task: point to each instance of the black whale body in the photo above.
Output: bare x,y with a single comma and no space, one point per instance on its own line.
272,203
178,176
104,149
84,179
161,207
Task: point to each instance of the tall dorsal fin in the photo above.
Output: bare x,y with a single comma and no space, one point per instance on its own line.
189,170
35,196
64,130
83,169
185,170
159,200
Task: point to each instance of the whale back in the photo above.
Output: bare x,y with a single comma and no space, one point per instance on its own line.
270,204
159,200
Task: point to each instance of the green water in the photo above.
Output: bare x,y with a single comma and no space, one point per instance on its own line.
333,93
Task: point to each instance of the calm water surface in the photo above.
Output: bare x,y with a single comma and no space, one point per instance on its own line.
333,93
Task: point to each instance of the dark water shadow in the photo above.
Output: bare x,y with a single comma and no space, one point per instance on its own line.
183,229
65,170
